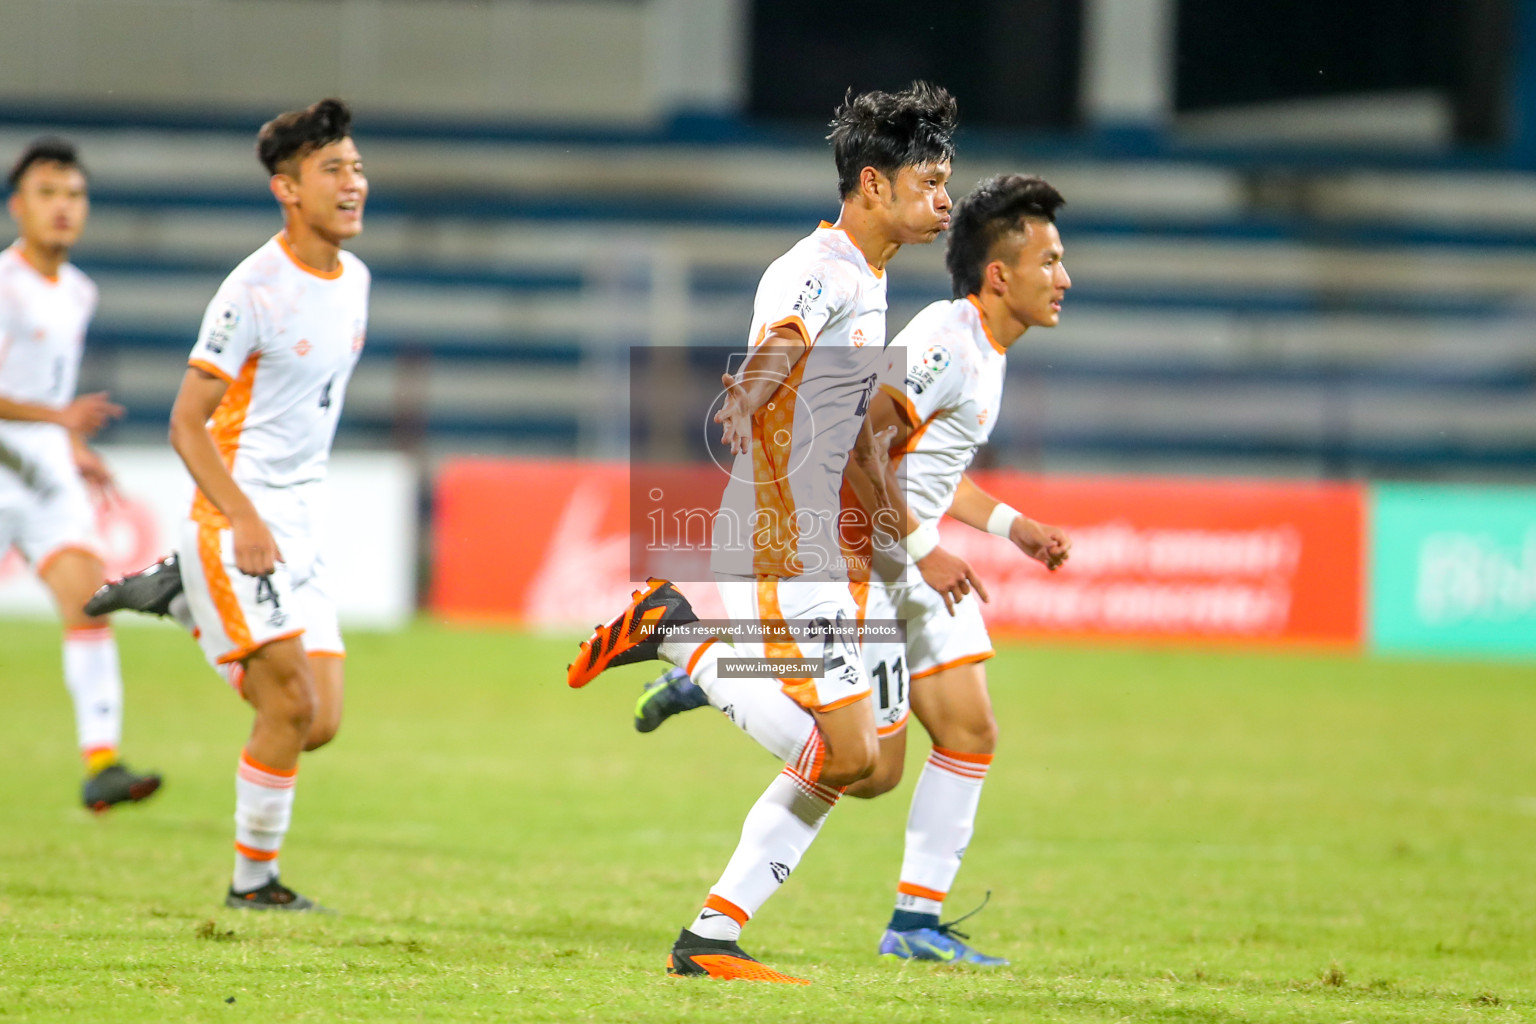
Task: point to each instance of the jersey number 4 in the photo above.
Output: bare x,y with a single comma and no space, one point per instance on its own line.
266,593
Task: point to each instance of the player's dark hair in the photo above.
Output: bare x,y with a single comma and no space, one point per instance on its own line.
47,150
290,137
998,207
889,131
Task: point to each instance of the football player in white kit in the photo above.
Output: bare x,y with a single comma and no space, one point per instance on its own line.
941,394
46,468
791,415
253,422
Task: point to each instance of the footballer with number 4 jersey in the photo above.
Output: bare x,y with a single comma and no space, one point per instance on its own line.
939,399
794,414
253,422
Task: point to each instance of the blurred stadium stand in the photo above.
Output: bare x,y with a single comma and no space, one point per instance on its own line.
1236,308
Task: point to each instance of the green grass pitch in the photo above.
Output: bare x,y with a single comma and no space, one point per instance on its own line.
1168,835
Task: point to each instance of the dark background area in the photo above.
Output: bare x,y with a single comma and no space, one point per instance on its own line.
1015,64
1010,63
1234,53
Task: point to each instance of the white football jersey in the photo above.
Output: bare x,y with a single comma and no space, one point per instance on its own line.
286,337
778,515
947,372
42,335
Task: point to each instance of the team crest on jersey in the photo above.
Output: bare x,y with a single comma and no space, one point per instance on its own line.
809,293
224,323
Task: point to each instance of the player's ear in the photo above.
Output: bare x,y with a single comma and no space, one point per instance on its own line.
284,189
994,277
873,185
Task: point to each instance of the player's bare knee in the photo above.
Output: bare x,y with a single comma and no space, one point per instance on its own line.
321,732
289,699
982,736
881,781
849,763
977,736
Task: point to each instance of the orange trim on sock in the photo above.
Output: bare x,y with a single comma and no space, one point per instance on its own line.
88,633
724,906
326,654
958,756
813,756
286,773
693,662
251,853
908,889
826,794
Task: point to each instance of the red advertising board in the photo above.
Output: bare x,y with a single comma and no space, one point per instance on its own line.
547,543
1183,559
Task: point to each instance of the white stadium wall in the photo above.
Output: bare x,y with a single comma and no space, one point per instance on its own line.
576,60
370,542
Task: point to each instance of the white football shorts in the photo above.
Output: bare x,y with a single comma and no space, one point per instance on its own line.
935,641
50,512
236,614
769,599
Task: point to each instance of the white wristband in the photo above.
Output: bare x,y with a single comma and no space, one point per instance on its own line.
921,541
1000,522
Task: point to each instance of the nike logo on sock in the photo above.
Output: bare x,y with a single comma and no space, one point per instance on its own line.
705,915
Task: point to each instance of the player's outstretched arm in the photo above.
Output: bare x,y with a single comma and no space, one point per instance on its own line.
946,573
256,553
753,384
85,415
1048,545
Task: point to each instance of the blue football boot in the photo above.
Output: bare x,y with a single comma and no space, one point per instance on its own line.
940,943
669,694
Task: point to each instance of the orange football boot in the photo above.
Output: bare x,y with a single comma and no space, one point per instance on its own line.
634,635
694,956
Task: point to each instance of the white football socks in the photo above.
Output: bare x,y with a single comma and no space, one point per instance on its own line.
181,612
263,808
939,827
95,684
757,705
778,830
